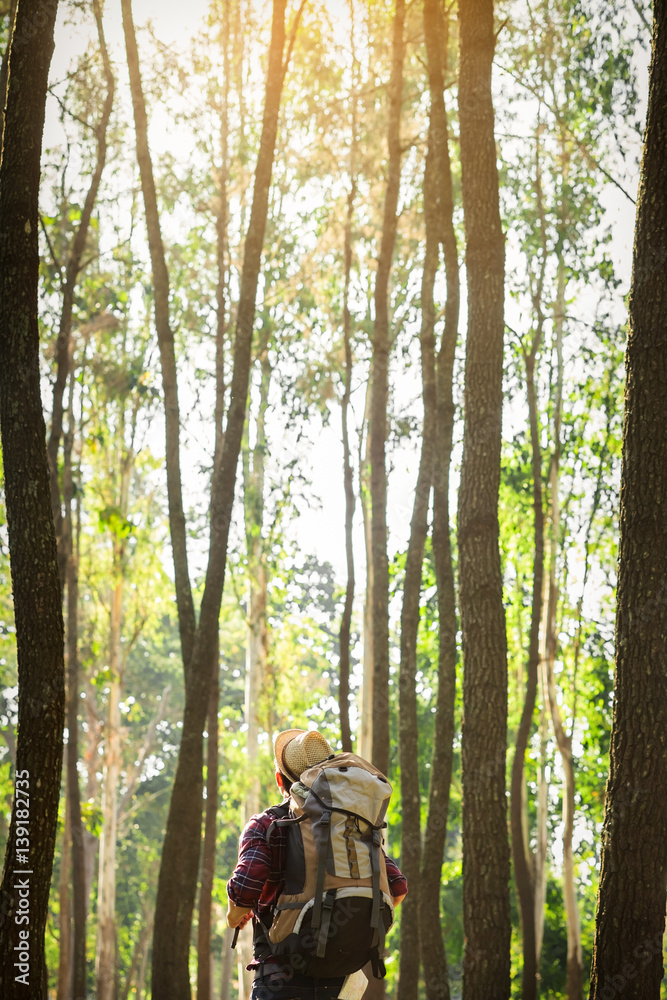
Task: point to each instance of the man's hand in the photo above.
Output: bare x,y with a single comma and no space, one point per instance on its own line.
398,899
237,916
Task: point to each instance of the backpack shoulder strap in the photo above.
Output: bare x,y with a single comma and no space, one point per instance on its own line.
283,817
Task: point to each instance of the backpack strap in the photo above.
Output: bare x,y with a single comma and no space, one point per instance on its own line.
375,881
287,821
327,909
321,868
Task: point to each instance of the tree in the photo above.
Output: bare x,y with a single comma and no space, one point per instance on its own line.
434,958
378,406
486,912
631,907
180,856
32,543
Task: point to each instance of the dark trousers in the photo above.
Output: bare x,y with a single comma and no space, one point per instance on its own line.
290,985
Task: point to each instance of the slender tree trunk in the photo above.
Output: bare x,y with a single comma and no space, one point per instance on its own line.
204,980
184,601
64,989
408,721
486,911
32,543
4,68
524,865
257,636
204,975
379,403
140,952
79,897
540,879
72,272
106,891
408,725
434,958
180,855
523,862
366,737
227,965
348,473
563,739
143,968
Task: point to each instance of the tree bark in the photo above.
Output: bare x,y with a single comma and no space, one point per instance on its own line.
257,636
486,911
72,272
180,855
434,958
346,620
408,724
4,68
366,735
521,853
184,601
79,971
631,905
575,972
379,403
64,988
32,543
540,879
106,892
204,976
204,979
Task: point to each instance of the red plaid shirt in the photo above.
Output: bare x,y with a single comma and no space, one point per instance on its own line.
259,875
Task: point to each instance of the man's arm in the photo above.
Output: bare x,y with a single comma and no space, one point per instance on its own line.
398,884
252,870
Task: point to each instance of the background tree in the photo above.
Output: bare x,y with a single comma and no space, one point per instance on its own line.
485,846
628,949
35,581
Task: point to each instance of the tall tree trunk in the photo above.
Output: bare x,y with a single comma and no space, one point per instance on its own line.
4,68
540,879
184,601
79,898
524,868
180,855
379,403
64,988
32,543
106,891
486,910
204,979
72,974
630,920
408,724
227,964
72,272
346,620
257,636
564,740
434,958
366,735
140,952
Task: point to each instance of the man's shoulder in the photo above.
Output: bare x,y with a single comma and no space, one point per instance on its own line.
260,822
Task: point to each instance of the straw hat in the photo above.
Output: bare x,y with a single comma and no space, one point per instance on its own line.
297,749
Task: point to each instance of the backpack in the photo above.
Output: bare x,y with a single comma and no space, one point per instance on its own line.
336,906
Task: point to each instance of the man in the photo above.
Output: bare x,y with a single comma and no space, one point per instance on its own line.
259,876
